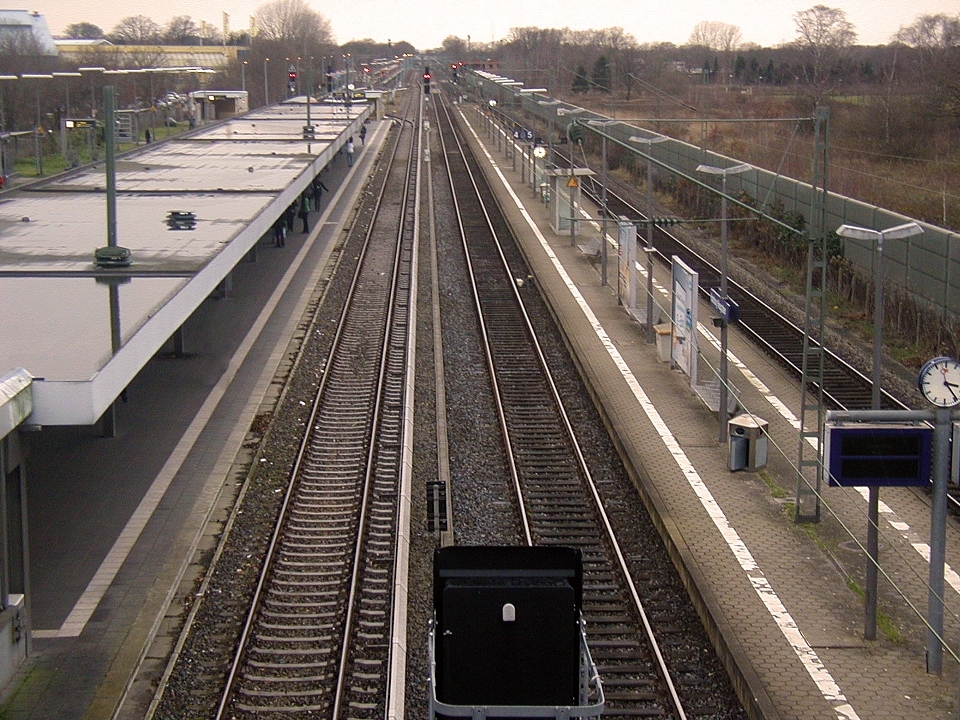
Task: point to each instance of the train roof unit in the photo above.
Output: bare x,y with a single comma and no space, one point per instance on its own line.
507,639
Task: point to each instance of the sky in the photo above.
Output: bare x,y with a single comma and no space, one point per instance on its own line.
425,23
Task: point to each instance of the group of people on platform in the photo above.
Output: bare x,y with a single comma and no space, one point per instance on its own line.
309,200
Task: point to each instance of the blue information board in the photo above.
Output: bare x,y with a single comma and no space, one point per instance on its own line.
877,455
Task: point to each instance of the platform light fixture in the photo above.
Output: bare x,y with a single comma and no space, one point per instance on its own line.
604,124
724,297
649,142
854,232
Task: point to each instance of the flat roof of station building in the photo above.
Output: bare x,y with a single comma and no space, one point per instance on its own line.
236,176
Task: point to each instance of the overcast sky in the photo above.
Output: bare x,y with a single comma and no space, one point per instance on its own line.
425,23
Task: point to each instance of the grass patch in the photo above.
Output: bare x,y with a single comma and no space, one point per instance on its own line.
775,490
54,162
811,531
884,622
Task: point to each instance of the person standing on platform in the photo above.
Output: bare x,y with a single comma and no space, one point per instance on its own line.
280,231
363,134
290,214
350,152
318,189
305,212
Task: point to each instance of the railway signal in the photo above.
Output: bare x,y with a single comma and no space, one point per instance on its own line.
426,81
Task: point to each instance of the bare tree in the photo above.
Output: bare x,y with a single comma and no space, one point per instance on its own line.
294,23
454,47
83,31
533,54
136,30
210,33
823,34
931,33
936,43
182,30
717,36
19,42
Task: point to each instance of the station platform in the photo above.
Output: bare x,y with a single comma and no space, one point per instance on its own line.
779,600
117,524
84,329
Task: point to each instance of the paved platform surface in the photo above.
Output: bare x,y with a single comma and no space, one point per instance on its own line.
779,597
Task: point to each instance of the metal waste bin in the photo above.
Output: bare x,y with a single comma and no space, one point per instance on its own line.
748,443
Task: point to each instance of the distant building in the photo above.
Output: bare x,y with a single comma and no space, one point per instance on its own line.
105,53
25,31
489,65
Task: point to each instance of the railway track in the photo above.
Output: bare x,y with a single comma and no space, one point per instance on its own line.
555,496
845,386
318,637
302,621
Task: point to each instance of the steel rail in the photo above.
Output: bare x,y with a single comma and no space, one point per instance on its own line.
609,534
300,460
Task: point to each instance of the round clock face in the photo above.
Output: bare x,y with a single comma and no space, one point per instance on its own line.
939,381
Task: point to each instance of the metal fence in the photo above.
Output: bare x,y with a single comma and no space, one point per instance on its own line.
925,267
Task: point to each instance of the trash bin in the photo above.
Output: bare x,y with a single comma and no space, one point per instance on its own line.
748,443
663,341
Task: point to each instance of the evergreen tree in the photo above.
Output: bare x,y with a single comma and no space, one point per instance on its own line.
580,82
739,67
601,74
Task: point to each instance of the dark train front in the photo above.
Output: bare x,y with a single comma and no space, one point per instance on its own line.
507,637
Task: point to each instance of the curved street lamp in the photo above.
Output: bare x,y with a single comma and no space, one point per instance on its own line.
649,142
724,297
873,499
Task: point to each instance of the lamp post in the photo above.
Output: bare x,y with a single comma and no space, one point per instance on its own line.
723,172
573,209
3,126
3,112
266,85
92,72
552,104
649,142
603,196
66,113
873,512
66,85
38,128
